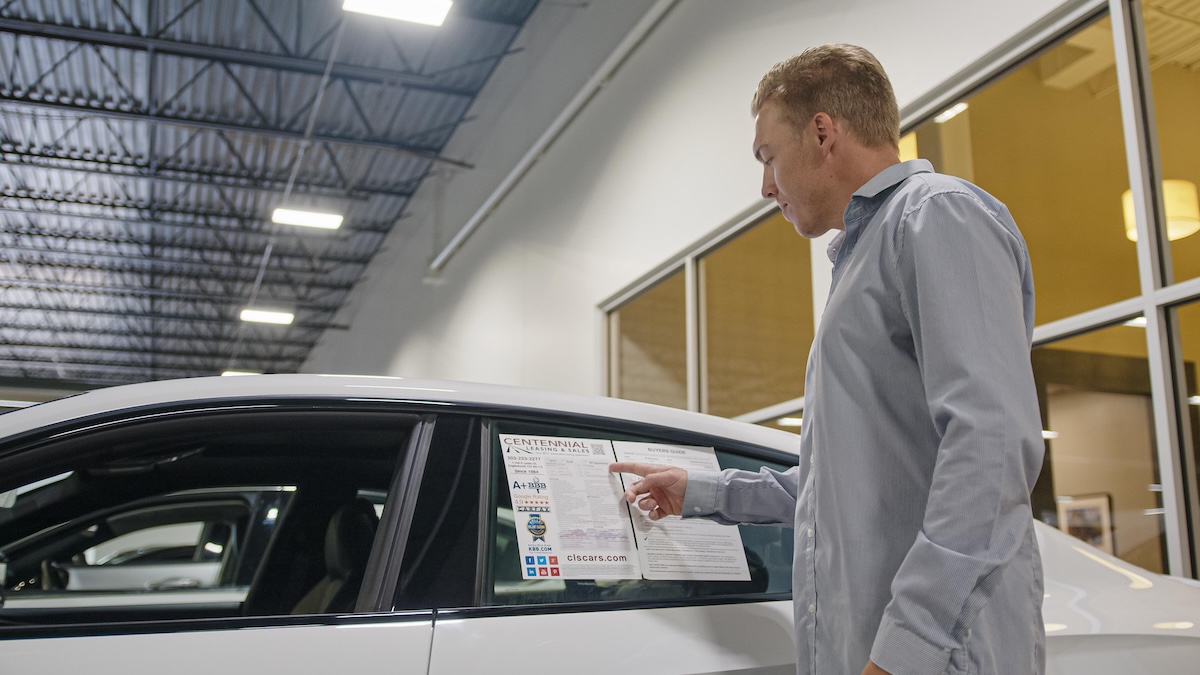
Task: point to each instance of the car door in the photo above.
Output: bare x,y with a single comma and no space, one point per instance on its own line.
309,580
577,625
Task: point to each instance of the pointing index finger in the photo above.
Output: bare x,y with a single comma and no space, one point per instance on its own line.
633,467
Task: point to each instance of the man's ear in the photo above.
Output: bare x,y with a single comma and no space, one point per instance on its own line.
825,128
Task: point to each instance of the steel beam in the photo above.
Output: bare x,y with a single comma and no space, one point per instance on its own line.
121,203
161,293
206,52
164,266
45,102
122,368
154,335
157,351
56,215
67,236
158,316
213,178
171,270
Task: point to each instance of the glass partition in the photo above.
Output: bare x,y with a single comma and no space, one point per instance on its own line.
1173,40
649,343
1100,480
1046,139
757,319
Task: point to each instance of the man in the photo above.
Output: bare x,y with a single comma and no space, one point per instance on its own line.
921,442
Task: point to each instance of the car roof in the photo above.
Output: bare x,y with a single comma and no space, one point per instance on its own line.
373,388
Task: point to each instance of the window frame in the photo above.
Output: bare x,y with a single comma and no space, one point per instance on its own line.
485,578
38,453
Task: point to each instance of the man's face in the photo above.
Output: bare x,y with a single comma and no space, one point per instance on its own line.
794,171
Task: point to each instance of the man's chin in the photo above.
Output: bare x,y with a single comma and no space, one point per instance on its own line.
807,230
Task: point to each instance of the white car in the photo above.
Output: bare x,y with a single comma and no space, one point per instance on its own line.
362,524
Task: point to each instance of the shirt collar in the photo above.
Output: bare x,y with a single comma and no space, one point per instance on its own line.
864,202
891,176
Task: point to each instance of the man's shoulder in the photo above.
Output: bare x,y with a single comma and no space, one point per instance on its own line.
927,188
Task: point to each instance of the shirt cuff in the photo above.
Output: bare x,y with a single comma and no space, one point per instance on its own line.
899,651
700,499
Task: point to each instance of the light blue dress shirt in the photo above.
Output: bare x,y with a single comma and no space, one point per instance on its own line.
920,445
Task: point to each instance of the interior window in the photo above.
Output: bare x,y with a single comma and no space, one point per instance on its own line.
767,549
252,514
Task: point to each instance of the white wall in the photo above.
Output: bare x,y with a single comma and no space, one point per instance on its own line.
659,158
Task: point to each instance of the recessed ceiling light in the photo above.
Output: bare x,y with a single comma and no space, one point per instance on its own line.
428,12
324,221
267,316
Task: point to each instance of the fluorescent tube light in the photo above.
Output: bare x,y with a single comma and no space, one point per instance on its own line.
239,373
324,221
267,316
950,113
1194,400
1137,322
789,421
1046,434
428,12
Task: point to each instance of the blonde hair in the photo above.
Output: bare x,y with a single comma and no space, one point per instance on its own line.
844,81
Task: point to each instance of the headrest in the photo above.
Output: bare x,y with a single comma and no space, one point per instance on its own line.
348,539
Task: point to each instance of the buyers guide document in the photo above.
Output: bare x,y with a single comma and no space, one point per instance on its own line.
572,520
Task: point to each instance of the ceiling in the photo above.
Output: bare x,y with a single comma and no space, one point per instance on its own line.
145,143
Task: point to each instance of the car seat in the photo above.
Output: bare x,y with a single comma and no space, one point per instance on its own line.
348,540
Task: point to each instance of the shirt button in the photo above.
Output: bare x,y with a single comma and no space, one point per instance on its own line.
812,608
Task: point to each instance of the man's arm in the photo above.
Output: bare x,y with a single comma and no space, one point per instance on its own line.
961,284
730,497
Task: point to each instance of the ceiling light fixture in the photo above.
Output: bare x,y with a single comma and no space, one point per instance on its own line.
1183,210
950,113
789,421
1136,322
317,219
267,316
239,373
428,12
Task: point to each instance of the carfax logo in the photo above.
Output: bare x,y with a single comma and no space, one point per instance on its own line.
536,527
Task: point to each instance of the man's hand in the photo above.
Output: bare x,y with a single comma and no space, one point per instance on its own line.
873,669
660,491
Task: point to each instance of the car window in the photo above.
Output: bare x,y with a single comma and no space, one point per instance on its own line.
254,514
767,549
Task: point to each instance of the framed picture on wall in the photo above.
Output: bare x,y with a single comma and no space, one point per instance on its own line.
1088,518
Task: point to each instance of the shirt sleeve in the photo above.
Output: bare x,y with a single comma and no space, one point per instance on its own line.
964,283
734,496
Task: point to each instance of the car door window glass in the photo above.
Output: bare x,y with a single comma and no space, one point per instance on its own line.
768,549
259,514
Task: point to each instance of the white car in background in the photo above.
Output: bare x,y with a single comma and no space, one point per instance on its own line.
364,524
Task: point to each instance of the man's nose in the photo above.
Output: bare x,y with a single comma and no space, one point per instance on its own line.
769,190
